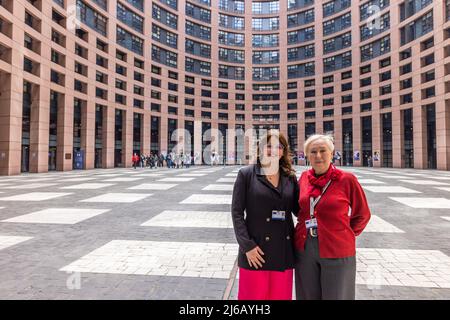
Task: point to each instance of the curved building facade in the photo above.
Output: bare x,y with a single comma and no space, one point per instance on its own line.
92,81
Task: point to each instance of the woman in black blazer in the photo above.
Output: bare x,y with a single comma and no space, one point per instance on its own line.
268,194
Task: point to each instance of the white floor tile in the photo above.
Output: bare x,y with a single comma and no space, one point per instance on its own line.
123,179
31,186
443,188
392,172
219,187
77,179
58,216
370,181
153,186
88,186
426,182
377,224
35,196
176,179
8,180
118,197
389,189
133,172
402,267
108,175
4,185
424,203
397,177
183,259
369,173
9,241
208,199
226,180
149,175
191,219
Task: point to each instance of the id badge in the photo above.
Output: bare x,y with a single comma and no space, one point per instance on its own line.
312,223
278,215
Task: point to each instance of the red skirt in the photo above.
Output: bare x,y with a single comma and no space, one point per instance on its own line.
265,285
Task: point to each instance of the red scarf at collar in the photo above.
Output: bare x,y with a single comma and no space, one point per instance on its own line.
316,184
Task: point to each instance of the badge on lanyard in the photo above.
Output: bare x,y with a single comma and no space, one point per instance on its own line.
311,223
278,215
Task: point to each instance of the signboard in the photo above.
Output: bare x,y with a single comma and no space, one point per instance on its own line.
376,156
78,159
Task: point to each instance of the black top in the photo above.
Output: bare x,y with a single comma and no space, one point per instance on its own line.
257,197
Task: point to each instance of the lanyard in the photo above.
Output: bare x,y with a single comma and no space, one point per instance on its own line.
313,203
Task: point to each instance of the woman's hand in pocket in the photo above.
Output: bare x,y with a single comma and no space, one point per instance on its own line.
255,258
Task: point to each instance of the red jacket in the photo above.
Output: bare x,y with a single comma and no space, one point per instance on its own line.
336,229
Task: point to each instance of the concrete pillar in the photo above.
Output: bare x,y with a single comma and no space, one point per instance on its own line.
198,141
39,129
88,133
231,146
443,134
64,149
145,133
163,134
420,137
397,139
357,140
127,138
377,136
11,94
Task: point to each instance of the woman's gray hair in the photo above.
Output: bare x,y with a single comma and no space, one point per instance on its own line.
328,139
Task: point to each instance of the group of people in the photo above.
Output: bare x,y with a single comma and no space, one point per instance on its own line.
331,210
148,161
171,160
179,160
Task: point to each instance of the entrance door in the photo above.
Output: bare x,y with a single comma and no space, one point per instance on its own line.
52,158
98,158
25,162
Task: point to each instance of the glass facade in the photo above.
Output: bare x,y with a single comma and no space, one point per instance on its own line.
299,65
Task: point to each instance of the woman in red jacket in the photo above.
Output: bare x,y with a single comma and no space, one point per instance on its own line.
333,211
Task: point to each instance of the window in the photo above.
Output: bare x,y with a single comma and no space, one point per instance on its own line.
129,41
164,56
130,18
231,39
91,18
259,40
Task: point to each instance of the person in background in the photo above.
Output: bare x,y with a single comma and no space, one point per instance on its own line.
134,160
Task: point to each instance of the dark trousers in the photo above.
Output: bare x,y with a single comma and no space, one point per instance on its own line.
323,279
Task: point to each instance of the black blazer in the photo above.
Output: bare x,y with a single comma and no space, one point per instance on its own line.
255,195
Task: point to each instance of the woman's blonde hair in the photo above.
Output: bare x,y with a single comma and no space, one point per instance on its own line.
328,139
285,162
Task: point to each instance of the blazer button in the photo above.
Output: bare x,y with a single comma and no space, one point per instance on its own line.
288,237
268,219
267,238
